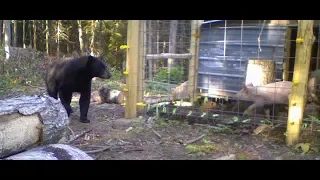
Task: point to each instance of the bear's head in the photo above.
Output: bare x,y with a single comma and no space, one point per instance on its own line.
98,67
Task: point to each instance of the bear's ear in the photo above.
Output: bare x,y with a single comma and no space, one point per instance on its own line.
90,60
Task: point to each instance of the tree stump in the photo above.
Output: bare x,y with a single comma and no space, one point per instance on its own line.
30,121
52,152
107,95
260,72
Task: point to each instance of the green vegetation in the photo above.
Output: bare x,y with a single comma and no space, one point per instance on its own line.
176,75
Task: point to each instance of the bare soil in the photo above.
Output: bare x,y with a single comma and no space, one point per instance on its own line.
140,139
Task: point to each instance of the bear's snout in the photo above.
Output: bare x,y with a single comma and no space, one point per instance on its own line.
106,75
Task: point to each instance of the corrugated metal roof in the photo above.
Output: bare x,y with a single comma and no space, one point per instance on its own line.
212,21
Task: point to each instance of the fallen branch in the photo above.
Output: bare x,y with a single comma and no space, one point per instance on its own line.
71,131
194,140
156,133
167,56
133,150
98,150
124,142
80,135
104,148
88,146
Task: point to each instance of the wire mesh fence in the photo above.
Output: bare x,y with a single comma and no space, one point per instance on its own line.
242,73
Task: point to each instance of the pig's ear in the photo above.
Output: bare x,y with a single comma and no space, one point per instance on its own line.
249,84
245,86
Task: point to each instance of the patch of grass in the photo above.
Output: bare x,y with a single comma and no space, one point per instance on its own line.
74,104
25,66
224,130
174,123
8,82
243,156
203,149
205,141
138,129
161,123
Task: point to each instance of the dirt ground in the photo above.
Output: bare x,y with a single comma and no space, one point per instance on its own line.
146,138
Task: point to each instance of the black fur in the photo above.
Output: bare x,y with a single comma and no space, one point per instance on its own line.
74,75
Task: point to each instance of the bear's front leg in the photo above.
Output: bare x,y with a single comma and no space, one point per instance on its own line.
84,103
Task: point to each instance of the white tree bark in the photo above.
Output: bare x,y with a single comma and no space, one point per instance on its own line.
80,36
7,38
52,152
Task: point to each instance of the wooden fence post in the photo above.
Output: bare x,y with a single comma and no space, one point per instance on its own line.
194,62
132,68
297,98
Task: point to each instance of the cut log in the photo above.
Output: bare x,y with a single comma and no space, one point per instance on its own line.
260,72
106,95
167,56
52,152
29,121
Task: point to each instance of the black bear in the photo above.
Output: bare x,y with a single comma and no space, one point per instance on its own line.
75,75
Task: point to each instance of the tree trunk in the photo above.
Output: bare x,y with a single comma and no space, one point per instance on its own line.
260,72
47,36
172,41
80,37
49,153
34,35
93,27
58,38
30,33
3,30
15,35
1,27
7,38
67,42
24,33
29,121
68,48
101,37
